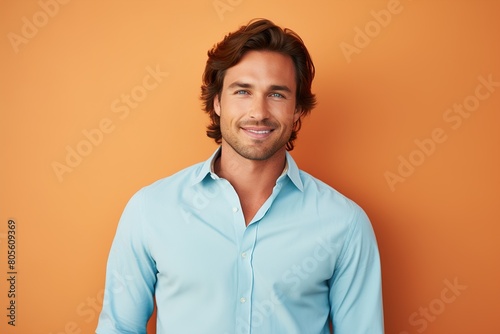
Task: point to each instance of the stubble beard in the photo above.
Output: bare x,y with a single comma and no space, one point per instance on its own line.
258,150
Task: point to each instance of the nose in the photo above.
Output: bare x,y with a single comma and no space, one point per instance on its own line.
259,109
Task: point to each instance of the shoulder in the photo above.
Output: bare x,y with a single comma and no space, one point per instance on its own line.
332,207
324,194
345,214
166,190
182,178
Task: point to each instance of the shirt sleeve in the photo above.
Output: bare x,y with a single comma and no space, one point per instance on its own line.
356,287
130,276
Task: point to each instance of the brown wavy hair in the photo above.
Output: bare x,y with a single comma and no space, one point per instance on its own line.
264,35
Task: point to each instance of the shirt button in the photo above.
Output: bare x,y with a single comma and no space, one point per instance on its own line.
244,255
235,209
243,300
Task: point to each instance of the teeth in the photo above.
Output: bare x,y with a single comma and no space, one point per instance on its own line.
260,132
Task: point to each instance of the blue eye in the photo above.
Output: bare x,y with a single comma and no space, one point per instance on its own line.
241,92
277,95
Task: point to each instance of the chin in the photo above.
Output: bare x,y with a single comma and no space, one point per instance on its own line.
258,155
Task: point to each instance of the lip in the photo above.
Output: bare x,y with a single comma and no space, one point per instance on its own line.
258,132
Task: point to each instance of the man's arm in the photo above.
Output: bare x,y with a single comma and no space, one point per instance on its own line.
356,287
130,276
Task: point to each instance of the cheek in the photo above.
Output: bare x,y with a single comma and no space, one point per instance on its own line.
226,120
233,110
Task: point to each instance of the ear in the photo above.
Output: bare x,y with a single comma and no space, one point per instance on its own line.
297,114
217,105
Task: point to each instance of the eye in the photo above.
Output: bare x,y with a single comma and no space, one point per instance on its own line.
241,92
278,95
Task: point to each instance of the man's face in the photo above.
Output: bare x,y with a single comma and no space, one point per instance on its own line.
257,105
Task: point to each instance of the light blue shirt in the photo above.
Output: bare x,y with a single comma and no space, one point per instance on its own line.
308,255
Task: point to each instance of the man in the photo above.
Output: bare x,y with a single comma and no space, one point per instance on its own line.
246,242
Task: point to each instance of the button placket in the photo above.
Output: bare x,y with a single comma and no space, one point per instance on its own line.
245,274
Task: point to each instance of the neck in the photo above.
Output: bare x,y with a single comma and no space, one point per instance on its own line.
253,180
257,174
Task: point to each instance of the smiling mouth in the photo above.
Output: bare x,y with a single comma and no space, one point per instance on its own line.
259,131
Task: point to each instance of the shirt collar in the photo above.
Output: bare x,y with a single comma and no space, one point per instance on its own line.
207,168
293,172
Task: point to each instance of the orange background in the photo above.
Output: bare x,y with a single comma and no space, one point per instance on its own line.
439,225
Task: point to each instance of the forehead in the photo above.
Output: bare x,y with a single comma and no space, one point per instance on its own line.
265,68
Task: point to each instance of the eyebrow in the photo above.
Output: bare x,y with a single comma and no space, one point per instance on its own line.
239,84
